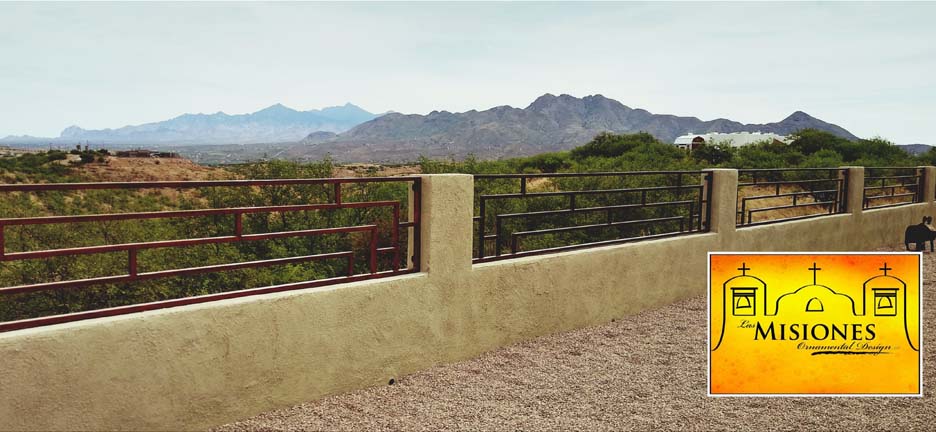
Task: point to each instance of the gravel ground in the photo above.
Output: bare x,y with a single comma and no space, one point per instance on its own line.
601,378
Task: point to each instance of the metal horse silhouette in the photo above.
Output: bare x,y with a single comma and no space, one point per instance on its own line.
920,234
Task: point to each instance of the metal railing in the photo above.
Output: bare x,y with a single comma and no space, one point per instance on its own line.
344,194
531,214
892,186
777,195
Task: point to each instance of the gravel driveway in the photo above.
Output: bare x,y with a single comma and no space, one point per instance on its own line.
601,378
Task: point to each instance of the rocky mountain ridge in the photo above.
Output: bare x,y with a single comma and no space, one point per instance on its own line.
549,123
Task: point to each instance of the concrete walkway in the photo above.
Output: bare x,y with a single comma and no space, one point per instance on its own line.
645,372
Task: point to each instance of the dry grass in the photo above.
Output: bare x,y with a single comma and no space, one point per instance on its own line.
150,169
645,372
153,169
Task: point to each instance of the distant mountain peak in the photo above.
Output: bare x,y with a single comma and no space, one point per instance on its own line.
549,100
277,107
71,131
542,101
799,116
596,97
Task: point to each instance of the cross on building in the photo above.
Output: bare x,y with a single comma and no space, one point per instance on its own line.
885,268
744,268
814,270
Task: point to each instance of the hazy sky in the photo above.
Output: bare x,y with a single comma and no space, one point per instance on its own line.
870,68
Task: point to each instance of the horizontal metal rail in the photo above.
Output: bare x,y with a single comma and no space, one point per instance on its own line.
772,170
191,271
393,250
45,220
764,209
898,177
85,250
750,213
46,187
586,174
891,195
590,192
786,182
827,194
686,189
790,194
590,209
588,245
515,237
787,219
592,226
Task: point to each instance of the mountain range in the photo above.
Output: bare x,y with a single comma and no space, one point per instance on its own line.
550,123
350,134
276,123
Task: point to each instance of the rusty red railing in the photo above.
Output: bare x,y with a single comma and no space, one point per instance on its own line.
399,263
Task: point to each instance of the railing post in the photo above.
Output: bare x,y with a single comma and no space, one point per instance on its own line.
446,222
854,177
723,199
412,191
929,184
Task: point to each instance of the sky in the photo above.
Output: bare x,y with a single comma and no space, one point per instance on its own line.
868,67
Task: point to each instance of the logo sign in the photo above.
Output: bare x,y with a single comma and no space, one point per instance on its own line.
793,324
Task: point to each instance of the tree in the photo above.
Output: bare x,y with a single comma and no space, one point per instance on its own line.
713,154
607,144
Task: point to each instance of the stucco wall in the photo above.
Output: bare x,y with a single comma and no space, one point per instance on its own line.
197,366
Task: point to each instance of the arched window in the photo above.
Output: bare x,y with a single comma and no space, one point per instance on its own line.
814,305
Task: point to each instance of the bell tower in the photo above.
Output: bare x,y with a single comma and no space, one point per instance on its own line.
880,295
885,296
747,296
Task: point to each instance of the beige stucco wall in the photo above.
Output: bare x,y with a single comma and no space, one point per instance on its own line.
197,366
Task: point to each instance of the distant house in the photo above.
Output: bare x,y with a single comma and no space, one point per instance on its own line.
735,139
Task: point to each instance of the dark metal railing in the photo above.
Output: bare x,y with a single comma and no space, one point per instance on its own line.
777,195
393,263
892,186
530,214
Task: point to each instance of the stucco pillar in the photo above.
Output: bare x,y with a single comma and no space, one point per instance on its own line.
929,183
723,198
447,209
854,186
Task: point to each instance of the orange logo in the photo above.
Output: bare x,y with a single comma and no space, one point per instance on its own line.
815,323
